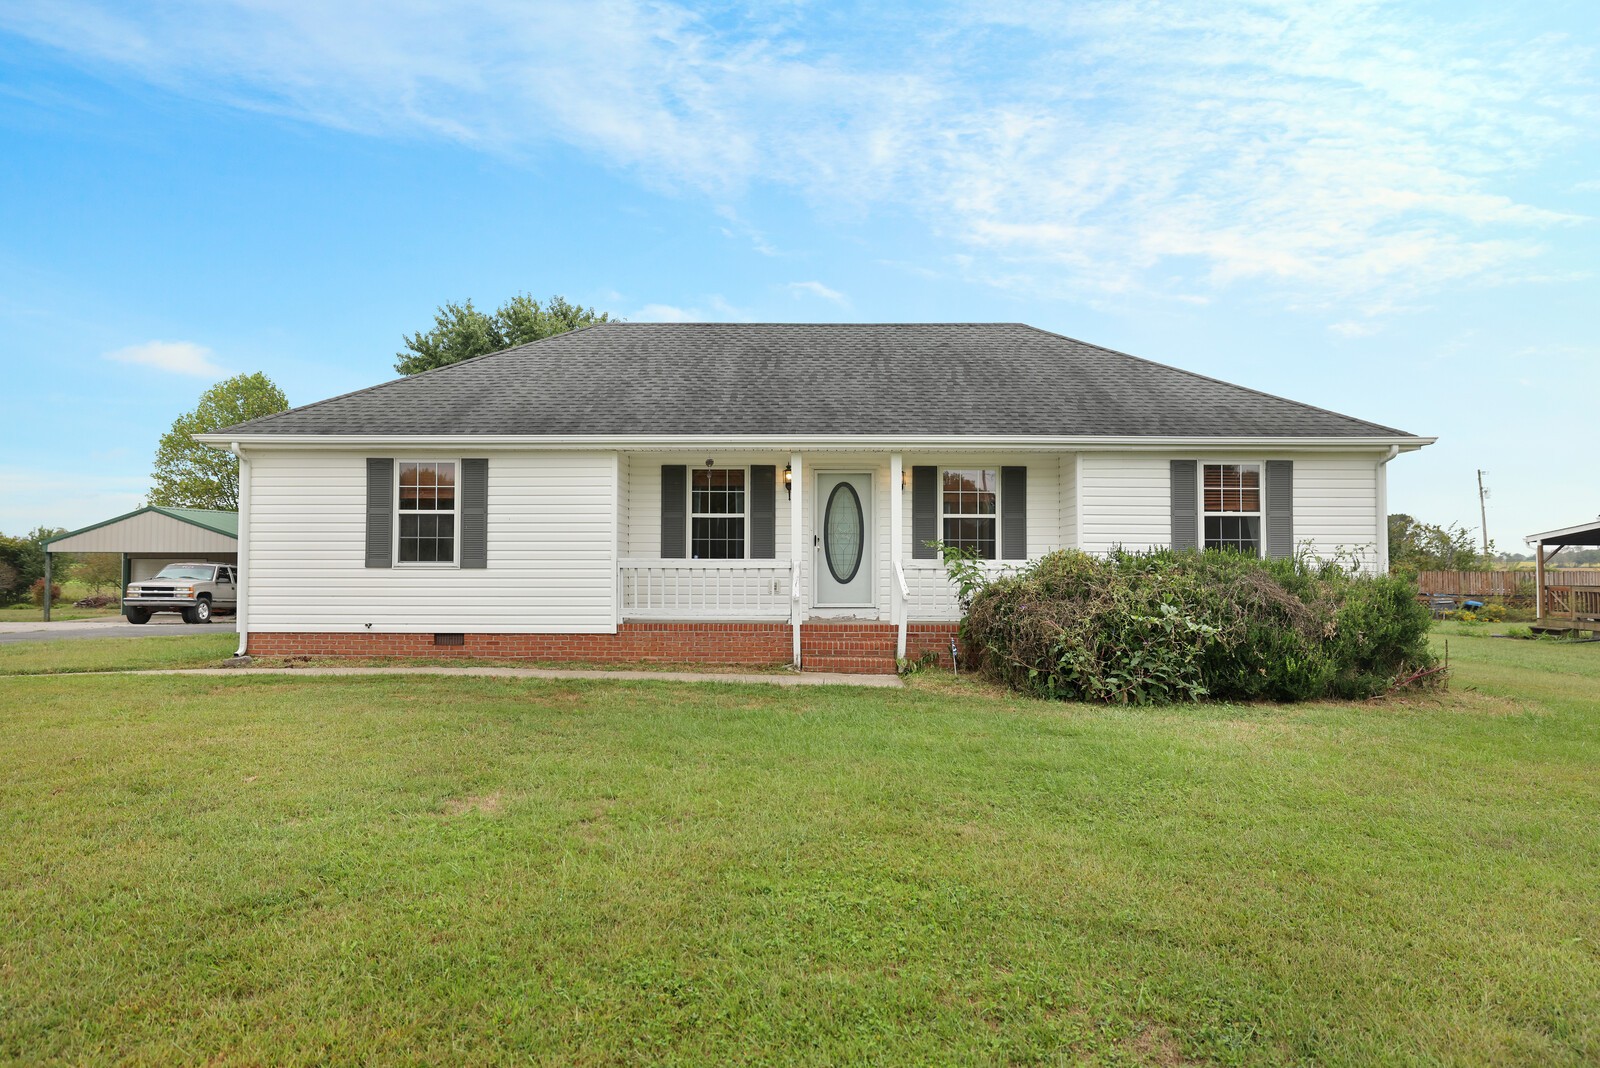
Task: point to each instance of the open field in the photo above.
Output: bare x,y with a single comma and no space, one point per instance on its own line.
359,870
28,612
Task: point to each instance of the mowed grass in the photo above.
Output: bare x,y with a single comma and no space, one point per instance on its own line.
116,654
367,870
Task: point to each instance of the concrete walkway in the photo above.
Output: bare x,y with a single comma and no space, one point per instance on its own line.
804,678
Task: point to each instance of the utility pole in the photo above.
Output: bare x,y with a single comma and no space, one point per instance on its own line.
1483,515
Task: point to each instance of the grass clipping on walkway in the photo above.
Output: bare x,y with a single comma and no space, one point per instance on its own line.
283,870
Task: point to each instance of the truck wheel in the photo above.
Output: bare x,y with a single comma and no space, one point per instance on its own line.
137,615
200,613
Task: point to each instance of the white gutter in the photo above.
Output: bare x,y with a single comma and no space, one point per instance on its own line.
785,443
241,589
1383,509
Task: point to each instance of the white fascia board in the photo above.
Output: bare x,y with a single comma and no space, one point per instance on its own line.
1593,524
820,443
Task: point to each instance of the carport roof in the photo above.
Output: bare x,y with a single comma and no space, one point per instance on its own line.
1578,534
214,520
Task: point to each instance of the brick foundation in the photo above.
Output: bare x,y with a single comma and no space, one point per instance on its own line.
856,647
930,637
754,644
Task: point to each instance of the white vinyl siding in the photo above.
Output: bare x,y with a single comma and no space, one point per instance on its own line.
1336,505
1067,473
1045,531
1126,502
641,473
550,537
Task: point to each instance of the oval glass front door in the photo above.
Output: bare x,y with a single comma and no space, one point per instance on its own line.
843,533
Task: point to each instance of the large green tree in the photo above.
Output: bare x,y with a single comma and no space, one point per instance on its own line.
461,331
191,475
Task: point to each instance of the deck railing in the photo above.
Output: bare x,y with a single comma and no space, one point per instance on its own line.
1572,602
706,589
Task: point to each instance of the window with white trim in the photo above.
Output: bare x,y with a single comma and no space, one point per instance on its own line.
427,508
1231,507
970,509
717,513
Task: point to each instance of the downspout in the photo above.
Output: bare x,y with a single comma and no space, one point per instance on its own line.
1383,509
241,590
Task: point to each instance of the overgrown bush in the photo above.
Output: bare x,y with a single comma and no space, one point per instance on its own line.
1182,626
36,592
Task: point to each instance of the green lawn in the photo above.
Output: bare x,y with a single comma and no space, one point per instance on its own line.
117,654
279,870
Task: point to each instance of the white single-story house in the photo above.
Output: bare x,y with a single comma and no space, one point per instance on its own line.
756,493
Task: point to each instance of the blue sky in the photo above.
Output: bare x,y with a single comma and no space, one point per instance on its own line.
1384,209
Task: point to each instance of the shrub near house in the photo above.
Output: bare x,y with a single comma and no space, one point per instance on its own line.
1181,626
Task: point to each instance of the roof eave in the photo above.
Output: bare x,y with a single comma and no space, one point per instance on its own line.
875,442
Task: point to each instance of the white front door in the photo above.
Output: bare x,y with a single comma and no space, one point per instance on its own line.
842,541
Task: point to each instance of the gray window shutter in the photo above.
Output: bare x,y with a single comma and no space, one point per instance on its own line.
763,511
924,512
474,513
1013,513
1280,509
380,512
674,511
1185,504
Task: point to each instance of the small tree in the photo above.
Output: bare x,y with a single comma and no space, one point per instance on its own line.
1416,546
99,570
191,475
461,331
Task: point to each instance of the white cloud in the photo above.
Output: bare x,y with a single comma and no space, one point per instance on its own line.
175,357
717,310
1350,328
816,289
1324,150
667,313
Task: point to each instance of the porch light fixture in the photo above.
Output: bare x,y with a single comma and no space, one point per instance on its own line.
788,481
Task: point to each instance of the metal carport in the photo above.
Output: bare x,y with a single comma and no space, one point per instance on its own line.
150,538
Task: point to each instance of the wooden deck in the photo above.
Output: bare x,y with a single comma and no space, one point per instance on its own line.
1569,608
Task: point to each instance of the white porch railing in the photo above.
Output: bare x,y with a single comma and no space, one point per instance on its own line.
706,589
930,596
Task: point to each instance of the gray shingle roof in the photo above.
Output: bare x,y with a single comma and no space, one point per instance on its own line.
798,379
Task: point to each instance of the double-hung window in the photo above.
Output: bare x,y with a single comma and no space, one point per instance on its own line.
717,513
427,499
1231,506
971,498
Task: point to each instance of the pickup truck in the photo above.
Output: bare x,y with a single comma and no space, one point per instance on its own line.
197,591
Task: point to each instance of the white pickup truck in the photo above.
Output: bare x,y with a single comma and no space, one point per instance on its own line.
197,591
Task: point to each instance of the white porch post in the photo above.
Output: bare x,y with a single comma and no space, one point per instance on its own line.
1538,582
897,600
618,503
798,550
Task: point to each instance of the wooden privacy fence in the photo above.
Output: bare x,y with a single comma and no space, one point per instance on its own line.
1502,583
